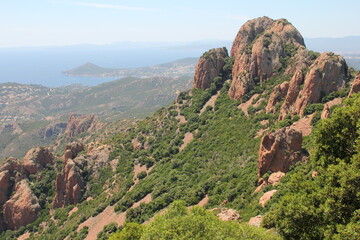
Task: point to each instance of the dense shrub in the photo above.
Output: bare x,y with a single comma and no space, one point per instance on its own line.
179,223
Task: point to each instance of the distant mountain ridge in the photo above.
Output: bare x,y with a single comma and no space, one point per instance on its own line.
181,67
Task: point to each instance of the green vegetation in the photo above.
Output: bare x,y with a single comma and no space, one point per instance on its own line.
196,223
326,206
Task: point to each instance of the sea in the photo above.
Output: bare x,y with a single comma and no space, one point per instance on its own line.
45,65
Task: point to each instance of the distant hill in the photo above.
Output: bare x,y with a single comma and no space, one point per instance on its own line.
346,45
181,67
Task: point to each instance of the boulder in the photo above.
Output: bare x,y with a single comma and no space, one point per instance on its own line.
255,221
266,197
36,158
275,178
209,66
279,150
22,208
225,214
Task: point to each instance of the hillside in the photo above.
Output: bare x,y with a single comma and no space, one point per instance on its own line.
26,108
262,136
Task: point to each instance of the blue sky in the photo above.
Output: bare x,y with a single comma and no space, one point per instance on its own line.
67,22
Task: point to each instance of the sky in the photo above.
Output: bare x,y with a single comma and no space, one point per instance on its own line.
71,22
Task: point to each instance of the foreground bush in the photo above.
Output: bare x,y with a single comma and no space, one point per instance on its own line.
197,223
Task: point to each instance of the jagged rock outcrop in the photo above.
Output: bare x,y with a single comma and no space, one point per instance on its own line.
276,96
52,130
80,123
209,66
69,185
22,208
36,158
279,150
72,150
12,164
355,86
327,74
5,186
259,49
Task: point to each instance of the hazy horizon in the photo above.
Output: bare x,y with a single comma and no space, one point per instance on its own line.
63,23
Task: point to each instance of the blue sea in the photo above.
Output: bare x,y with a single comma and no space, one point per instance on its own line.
44,65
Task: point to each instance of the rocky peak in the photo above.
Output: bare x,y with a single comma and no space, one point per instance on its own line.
37,158
259,50
209,66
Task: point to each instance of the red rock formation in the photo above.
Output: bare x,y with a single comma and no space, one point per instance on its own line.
69,185
276,96
80,123
22,208
355,86
279,150
36,158
5,186
12,164
275,178
266,197
293,92
255,221
327,74
72,150
258,49
209,66
225,214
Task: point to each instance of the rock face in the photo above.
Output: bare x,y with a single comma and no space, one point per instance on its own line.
80,123
69,185
258,50
5,186
23,207
210,65
355,86
52,130
72,150
279,150
327,74
36,158
276,96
